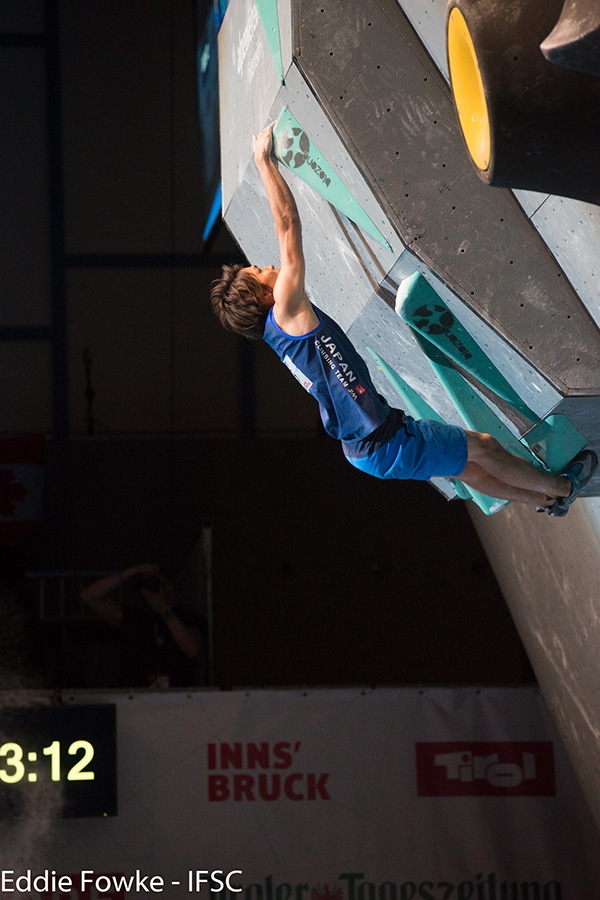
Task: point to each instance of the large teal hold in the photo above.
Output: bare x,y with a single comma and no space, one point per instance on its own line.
424,310
553,441
415,406
294,148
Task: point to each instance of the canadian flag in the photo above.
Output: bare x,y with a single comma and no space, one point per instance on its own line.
21,487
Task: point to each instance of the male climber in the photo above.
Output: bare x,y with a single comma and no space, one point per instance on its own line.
272,304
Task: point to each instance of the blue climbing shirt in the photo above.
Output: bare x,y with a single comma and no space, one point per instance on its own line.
327,365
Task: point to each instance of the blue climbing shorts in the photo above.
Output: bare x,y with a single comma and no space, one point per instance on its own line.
420,449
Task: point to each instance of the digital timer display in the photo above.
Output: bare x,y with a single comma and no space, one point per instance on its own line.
70,750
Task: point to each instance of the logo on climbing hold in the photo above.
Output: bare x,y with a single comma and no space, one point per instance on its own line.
425,321
296,153
296,147
437,320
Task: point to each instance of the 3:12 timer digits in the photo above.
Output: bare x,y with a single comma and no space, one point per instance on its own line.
15,769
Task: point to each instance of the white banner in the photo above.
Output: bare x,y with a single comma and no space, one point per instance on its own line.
350,794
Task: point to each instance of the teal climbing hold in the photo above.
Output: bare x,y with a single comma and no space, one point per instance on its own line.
415,406
294,148
423,309
553,442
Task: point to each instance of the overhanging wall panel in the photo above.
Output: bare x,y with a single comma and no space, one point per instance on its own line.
393,108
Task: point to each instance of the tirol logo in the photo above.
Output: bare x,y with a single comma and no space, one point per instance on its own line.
296,153
485,769
438,320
